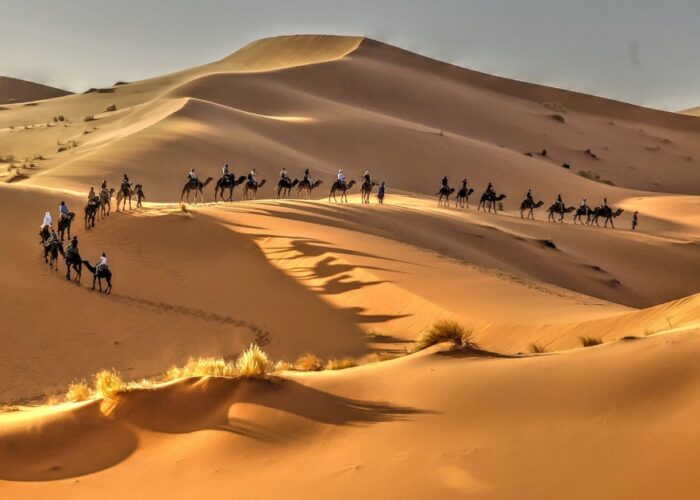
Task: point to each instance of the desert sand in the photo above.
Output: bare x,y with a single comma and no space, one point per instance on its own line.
530,413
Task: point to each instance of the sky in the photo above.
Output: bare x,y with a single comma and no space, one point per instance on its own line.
640,51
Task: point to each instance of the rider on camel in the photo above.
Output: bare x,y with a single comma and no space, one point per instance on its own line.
47,221
605,204
225,172
528,197
192,176
559,203
368,180
62,211
284,175
101,263
92,196
73,246
251,178
489,190
307,177
341,177
126,183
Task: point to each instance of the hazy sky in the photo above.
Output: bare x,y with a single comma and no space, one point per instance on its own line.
642,51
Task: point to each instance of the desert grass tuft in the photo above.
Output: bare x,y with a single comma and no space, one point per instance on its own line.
445,331
283,366
108,383
253,363
590,341
537,348
340,364
309,363
202,367
78,391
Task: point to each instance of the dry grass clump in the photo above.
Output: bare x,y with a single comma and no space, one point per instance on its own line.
108,383
283,366
340,364
113,107
253,363
183,208
202,367
309,363
445,331
78,391
89,118
537,348
590,341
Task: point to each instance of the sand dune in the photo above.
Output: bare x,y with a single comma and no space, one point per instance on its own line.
13,90
352,280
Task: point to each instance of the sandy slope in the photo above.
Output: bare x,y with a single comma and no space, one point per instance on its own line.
13,90
427,425
351,280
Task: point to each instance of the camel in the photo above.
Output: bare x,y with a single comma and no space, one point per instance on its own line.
607,214
530,206
554,209
73,261
581,212
306,188
126,193
64,223
227,182
444,196
90,213
106,202
343,188
197,186
52,247
252,187
284,187
491,199
463,196
98,276
366,190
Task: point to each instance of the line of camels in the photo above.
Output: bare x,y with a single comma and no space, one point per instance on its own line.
227,183
53,247
489,202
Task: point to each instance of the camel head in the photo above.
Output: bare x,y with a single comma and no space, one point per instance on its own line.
617,212
316,184
351,183
295,182
262,183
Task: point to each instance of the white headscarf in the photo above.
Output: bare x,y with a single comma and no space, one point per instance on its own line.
47,219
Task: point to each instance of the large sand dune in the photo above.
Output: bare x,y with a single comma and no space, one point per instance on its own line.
309,276
14,90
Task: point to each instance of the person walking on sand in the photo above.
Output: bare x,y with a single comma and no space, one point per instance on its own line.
381,193
140,196
634,220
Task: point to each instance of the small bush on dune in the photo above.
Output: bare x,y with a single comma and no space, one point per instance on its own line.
253,363
537,348
445,331
309,363
89,118
113,107
202,367
108,383
283,366
78,391
590,341
340,364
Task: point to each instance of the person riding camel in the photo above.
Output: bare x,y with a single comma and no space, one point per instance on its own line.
126,183
341,177
225,172
559,203
368,180
489,189
444,182
284,175
584,203
73,246
92,196
63,211
605,204
528,196
192,176
104,184
47,221
307,177
101,263
252,181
